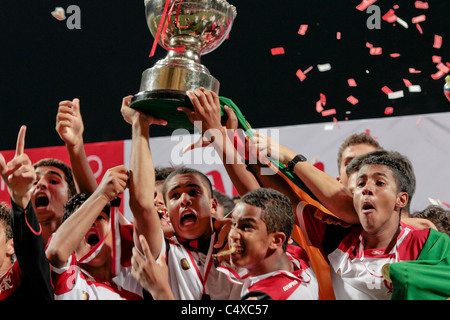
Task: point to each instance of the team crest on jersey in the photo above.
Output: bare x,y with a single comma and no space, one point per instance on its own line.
85,295
185,264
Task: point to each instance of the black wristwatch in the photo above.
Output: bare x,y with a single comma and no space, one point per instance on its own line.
293,162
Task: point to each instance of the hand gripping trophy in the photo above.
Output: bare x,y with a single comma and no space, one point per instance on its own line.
187,29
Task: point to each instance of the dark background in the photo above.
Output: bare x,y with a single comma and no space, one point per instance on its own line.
43,62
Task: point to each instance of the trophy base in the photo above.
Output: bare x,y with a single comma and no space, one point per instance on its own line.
163,104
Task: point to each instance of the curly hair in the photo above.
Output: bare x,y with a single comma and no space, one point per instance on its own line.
5,219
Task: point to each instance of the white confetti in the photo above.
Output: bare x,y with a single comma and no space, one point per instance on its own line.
59,13
395,94
402,23
414,88
324,67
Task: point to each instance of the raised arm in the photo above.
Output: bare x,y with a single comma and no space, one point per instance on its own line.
69,235
206,115
70,127
330,192
142,179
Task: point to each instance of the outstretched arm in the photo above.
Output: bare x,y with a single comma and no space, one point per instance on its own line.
69,235
142,178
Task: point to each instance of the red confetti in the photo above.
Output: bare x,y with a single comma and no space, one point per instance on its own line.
323,99
365,4
276,51
446,204
319,107
352,100
376,51
418,120
412,70
437,42
351,82
438,75
338,35
407,82
301,75
388,110
369,45
386,90
421,5
303,29
418,19
436,59
442,67
308,70
396,6
390,16
328,112
419,28
395,55
337,123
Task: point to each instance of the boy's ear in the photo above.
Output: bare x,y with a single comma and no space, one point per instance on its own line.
278,239
214,204
402,199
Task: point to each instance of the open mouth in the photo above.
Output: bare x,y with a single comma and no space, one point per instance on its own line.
367,207
188,219
41,200
92,239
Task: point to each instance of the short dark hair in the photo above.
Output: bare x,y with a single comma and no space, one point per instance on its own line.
227,203
51,162
5,219
161,173
276,210
186,170
355,164
401,168
436,214
354,139
76,201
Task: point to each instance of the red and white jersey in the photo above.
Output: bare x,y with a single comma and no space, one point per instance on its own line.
71,282
301,284
10,281
193,275
356,273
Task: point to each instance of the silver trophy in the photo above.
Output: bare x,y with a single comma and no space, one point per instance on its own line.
187,29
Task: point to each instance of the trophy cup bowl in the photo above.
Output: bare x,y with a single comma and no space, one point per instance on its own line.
187,29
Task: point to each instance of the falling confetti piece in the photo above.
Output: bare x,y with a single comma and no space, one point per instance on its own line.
59,13
324,67
421,5
323,99
301,75
436,59
277,51
407,82
442,67
418,120
446,204
386,90
395,55
396,6
388,110
418,19
308,70
369,45
365,4
414,88
375,51
412,70
303,29
390,16
338,35
337,123
403,23
351,82
419,28
319,107
352,100
396,94
438,75
328,112
437,42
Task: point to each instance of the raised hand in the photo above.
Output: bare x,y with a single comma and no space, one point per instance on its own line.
18,174
131,115
69,123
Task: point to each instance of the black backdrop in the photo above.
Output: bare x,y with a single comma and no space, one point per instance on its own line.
43,62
